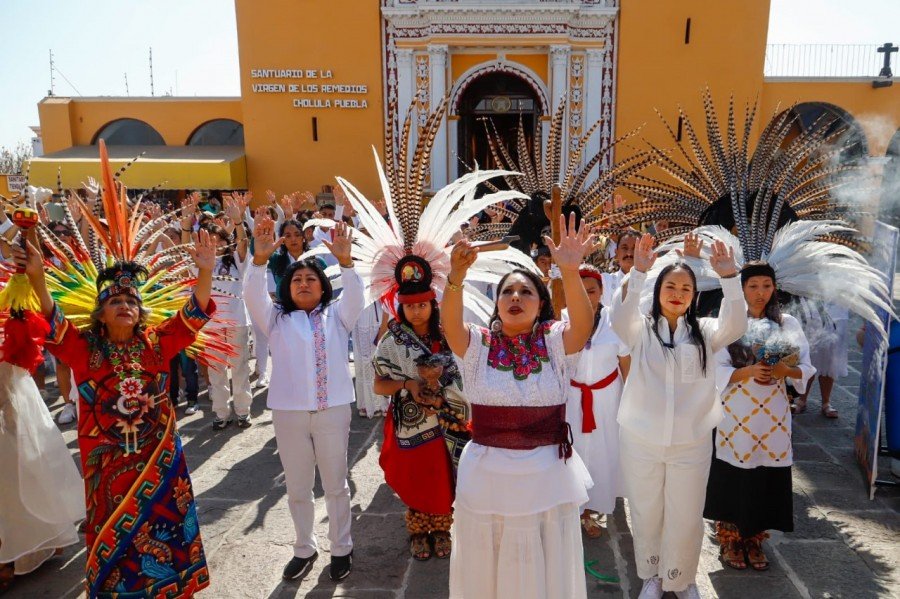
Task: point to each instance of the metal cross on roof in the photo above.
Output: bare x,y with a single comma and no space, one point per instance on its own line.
887,49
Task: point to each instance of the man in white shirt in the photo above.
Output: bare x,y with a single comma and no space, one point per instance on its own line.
625,259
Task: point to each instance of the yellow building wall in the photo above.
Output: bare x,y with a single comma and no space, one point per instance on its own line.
876,110
174,118
292,34
460,63
657,70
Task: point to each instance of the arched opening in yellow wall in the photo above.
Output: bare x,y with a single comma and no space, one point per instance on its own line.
128,132
851,138
217,132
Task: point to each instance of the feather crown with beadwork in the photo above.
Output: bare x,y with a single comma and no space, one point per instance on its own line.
414,235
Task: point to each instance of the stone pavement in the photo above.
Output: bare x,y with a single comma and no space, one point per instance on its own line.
843,545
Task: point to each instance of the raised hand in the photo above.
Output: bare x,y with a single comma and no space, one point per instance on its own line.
574,243
188,208
74,209
693,245
287,207
264,242
27,260
341,244
721,260
91,187
270,197
381,206
203,251
233,209
644,255
462,257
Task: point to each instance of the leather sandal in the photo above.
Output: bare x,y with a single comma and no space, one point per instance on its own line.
799,406
755,555
732,555
828,411
590,523
442,544
419,547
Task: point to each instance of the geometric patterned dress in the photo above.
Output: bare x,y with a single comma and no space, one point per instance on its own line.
142,532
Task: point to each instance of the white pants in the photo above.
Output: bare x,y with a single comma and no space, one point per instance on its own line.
239,364
666,491
261,349
306,440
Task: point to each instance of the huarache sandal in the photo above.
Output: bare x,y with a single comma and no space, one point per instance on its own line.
7,577
799,406
732,555
756,557
590,523
828,411
419,547
442,544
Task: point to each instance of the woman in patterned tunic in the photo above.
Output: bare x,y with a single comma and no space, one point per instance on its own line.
520,486
426,428
142,533
749,487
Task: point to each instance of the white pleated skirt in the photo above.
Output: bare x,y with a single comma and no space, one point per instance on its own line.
538,556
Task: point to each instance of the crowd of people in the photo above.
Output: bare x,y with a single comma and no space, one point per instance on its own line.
511,428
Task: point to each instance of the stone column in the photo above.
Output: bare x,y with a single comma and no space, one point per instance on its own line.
437,60
593,96
559,86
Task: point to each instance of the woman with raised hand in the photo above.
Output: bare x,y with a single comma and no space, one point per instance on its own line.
519,487
669,408
311,389
132,462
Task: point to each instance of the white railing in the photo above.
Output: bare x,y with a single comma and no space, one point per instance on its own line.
824,60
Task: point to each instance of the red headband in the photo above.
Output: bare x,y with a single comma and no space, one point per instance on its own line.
591,274
416,298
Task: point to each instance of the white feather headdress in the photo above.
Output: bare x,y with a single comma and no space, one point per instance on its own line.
379,244
806,265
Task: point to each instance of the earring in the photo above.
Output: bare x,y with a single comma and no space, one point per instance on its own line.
534,329
496,325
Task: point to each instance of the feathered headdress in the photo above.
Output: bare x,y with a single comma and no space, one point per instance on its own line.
163,280
805,266
787,176
541,169
425,233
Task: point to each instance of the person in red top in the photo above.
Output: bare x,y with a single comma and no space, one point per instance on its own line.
142,532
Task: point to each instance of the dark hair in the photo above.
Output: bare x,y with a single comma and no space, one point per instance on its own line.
283,293
228,261
629,233
760,268
690,317
280,261
546,312
434,321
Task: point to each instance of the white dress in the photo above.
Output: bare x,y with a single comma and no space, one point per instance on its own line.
41,492
516,526
364,345
599,449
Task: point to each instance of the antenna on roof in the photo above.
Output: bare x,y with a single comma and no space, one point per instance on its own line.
126,85
151,71
52,82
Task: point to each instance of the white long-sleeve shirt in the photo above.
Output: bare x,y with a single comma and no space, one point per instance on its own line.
668,399
293,383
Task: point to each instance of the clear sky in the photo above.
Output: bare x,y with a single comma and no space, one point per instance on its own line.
96,42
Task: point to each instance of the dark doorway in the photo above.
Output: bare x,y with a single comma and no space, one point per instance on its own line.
504,99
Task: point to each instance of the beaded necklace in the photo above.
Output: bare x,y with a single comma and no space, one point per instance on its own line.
522,354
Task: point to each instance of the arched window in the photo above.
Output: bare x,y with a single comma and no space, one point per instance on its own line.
129,132
855,146
220,132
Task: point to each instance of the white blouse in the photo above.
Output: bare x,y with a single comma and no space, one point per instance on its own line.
517,482
230,308
668,399
293,383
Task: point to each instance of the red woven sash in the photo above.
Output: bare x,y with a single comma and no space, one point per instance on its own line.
588,423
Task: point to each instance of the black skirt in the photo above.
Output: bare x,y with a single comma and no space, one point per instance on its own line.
754,499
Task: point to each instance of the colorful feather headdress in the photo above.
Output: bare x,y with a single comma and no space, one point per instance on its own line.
426,232
541,169
722,180
124,238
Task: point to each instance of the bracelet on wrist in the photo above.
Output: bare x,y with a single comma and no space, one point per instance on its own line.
183,230
453,286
